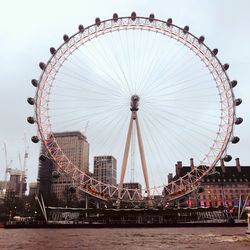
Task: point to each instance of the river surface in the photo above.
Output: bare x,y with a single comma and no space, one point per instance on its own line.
125,238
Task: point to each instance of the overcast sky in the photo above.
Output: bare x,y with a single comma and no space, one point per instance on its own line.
28,28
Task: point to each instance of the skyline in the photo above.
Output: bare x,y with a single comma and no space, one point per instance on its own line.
34,47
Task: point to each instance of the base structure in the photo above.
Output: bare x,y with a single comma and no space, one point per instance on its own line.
134,118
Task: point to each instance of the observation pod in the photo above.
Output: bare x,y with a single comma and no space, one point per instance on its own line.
215,51
133,16
42,158
186,29
233,83
238,101
30,120
98,21
81,28
72,189
169,22
34,82
52,51
31,100
200,190
226,66
201,39
115,17
35,139
42,65
235,139
151,17
65,38
227,158
56,174
238,120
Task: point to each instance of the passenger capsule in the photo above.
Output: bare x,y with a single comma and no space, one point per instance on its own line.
227,158
42,65
34,82
169,22
115,17
200,190
186,29
31,101
80,28
215,51
52,51
30,120
233,83
35,139
238,101
226,66
238,120
56,174
235,139
65,38
201,39
42,158
151,18
133,16
98,21
72,189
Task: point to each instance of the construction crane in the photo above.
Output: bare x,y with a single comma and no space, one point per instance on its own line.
7,167
23,166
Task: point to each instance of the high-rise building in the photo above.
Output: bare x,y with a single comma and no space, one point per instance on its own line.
17,182
76,147
44,178
105,169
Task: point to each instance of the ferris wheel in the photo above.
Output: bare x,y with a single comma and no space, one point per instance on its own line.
151,93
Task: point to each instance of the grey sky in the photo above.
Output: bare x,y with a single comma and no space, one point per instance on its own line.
28,28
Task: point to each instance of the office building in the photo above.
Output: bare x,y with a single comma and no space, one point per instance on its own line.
105,169
76,147
17,183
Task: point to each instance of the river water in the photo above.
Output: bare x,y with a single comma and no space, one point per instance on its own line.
125,238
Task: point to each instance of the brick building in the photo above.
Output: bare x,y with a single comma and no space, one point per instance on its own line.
226,186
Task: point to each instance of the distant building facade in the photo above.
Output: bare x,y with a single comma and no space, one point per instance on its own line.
17,183
76,147
228,186
3,186
133,186
33,189
105,169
